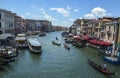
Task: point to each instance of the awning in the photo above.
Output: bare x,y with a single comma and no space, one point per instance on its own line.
5,36
20,39
100,42
85,37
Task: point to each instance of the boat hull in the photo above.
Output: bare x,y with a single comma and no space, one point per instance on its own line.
34,51
34,45
55,43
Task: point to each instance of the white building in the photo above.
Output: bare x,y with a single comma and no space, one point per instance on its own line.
38,25
6,21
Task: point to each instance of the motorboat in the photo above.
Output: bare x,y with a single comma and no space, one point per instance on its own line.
34,45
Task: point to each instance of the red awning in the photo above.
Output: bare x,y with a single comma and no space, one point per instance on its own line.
100,42
85,37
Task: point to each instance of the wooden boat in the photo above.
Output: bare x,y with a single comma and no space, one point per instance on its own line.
55,42
7,56
68,41
8,53
100,68
42,34
79,45
6,61
66,46
34,45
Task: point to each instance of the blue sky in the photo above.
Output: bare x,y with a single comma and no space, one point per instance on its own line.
62,12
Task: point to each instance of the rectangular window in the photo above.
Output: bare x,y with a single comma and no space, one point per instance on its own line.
0,16
0,25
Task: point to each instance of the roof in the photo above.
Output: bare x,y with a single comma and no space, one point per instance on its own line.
21,35
20,38
34,42
5,36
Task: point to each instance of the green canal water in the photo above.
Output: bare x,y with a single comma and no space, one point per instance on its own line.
56,62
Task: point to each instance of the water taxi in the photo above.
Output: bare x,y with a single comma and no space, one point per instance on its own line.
34,45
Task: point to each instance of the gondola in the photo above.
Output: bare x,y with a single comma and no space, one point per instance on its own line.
79,45
66,46
99,68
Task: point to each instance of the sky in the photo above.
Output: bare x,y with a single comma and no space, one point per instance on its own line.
62,12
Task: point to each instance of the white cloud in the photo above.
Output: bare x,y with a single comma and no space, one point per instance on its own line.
80,17
36,16
22,16
48,17
64,22
68,8
99,11
76,10
34,6
109,14
41,9
62,11
96,12
71,19
28,14
89,16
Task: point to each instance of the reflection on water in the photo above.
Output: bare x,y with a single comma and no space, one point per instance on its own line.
56,62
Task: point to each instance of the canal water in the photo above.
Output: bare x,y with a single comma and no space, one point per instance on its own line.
56,62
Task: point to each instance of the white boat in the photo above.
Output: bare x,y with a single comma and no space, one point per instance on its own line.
56,42
34,45
21,41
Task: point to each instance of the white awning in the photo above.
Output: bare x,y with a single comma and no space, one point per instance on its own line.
5,36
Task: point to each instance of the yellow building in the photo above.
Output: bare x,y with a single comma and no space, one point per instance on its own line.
118,30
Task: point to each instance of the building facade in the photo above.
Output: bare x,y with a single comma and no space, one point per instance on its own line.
20,25
46,25
106,28
6,21
38,25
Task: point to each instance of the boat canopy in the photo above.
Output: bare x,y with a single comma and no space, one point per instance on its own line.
20,39
21,35
5,36
34,42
